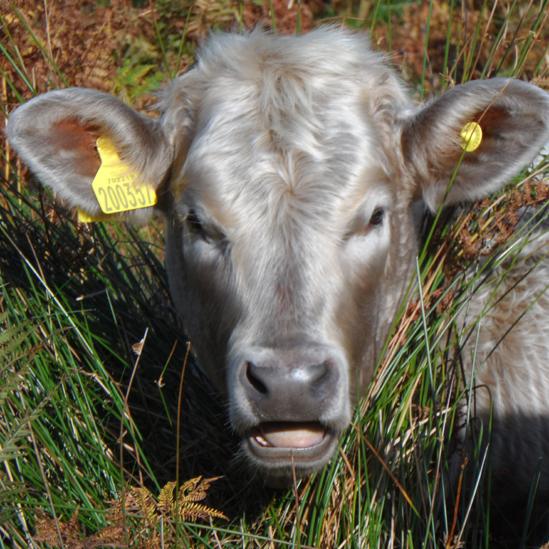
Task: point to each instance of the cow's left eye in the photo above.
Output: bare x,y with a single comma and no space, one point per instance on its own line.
361,228
377,217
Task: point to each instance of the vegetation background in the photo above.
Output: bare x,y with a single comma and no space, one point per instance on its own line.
109,435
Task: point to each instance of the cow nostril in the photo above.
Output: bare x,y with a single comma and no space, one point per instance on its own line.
254,380
321,374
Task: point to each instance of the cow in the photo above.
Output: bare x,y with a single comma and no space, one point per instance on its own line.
290,171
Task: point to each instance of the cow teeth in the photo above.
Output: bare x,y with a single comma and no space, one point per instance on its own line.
261,441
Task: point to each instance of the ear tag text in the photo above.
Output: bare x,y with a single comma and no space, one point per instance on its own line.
471,136
115,185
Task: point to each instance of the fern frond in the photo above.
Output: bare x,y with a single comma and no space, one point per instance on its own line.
191,511
195,489
189,486
166,498
140,500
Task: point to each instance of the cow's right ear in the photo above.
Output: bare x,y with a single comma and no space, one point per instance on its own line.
55,134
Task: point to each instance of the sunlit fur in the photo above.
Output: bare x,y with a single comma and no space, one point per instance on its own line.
283,148
506,353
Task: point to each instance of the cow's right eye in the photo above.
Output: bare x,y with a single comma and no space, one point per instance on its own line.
195,225
203,230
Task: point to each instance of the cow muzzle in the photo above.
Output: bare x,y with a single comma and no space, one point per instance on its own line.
290,407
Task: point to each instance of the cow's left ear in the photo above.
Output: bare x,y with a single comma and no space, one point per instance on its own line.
56,135
471,140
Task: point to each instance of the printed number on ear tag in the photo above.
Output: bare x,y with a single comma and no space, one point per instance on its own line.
471,136
115,184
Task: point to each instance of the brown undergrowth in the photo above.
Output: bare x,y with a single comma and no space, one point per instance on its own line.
491,223
86,43
154,519
442,43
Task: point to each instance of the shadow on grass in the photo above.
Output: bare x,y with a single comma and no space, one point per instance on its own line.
113,280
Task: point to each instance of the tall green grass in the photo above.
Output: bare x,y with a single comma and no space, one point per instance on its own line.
83,416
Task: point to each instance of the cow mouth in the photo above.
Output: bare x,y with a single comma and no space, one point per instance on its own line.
286,443
289,435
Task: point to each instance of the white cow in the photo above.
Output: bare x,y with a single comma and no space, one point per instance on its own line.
288,170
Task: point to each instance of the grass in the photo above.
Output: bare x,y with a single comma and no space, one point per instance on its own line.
98,398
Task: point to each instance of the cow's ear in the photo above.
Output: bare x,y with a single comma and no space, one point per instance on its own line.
472,139
55,134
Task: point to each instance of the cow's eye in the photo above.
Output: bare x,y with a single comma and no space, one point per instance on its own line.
203,230
377,217
359,227
195,224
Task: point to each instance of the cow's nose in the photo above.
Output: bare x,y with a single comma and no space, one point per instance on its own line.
279,392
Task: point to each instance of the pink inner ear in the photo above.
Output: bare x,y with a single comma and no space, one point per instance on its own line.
70,134
491,120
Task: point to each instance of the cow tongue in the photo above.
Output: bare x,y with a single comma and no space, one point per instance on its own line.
291,435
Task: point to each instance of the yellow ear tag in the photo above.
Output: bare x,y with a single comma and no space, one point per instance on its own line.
114,183
471,136
83,216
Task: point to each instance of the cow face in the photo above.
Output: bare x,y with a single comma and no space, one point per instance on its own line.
288,169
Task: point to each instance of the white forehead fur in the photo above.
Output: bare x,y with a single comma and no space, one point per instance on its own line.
307,114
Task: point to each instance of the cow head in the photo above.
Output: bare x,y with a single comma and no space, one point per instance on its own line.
288,169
